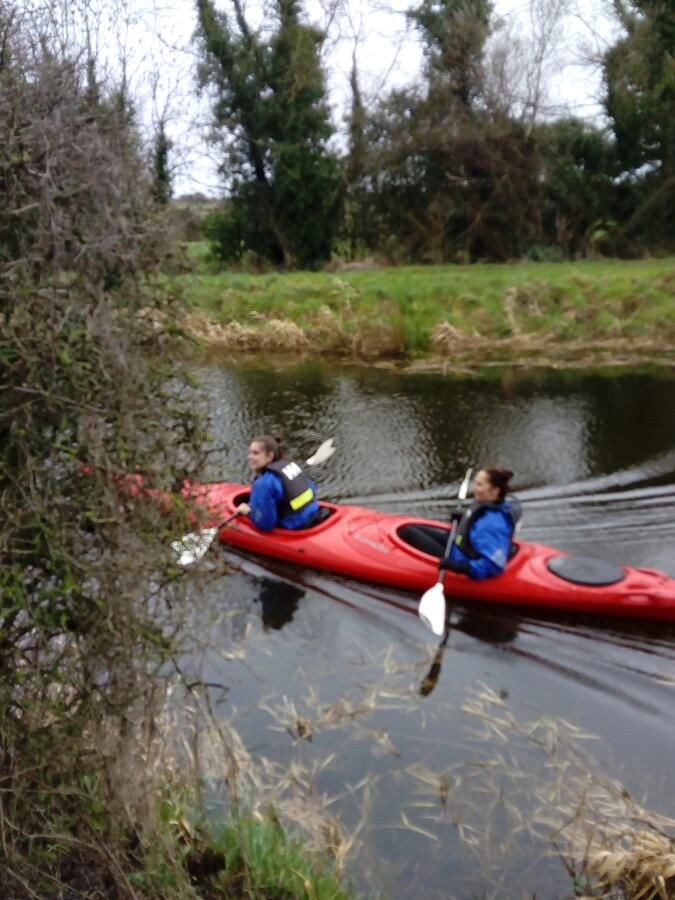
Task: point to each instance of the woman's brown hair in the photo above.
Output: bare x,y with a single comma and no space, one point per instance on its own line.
273,443
499,477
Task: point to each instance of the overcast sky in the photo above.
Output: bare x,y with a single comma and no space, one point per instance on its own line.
157,38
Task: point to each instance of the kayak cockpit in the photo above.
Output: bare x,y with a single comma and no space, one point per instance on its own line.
325,511
432,539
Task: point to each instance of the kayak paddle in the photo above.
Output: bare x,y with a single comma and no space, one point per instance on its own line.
432,605
191,547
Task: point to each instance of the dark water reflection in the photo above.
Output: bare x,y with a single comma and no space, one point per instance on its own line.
594,458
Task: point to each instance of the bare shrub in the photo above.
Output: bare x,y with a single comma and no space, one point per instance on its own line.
84,377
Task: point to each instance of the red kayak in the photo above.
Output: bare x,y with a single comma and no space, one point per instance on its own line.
369,545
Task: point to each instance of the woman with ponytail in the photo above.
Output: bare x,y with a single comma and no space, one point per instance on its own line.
282,496
482,545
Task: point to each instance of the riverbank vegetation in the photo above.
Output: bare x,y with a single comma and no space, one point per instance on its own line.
432,184
599,309
94,799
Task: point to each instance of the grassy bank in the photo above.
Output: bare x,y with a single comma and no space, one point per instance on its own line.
482,311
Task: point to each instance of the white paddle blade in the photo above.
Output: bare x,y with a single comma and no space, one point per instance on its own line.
464,487
191,547
322,453
432,609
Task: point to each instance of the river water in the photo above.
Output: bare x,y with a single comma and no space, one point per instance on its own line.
454,771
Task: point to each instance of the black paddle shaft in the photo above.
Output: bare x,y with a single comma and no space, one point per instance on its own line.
461,497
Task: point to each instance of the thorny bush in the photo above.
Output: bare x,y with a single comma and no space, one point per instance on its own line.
85,376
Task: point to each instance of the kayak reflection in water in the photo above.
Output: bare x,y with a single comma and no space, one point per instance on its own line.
482,546
282,496
278,601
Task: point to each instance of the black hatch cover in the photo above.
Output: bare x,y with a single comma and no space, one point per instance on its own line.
585,570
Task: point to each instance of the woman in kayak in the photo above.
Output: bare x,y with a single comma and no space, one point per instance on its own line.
482,545
281,494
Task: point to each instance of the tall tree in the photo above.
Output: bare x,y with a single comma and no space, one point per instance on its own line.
450,178
640,101
359,223
640,84
454,34
426,138
161,169
271,114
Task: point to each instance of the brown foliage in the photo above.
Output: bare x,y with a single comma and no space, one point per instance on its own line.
72,178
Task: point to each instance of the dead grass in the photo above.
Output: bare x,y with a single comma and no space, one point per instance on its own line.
451,348
525,789
211,751
277,335
540,777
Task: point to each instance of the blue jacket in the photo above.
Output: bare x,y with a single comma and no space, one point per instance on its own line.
267,496
491,535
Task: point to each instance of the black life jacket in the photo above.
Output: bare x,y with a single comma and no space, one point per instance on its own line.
297,489
513,512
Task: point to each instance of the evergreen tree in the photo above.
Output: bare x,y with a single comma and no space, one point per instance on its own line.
161,171
270,110
449,179
579,199
359,223
640,85
640,101
454,34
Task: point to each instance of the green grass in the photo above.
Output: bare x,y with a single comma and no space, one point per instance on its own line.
241,857
199,255
397,309
261,860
